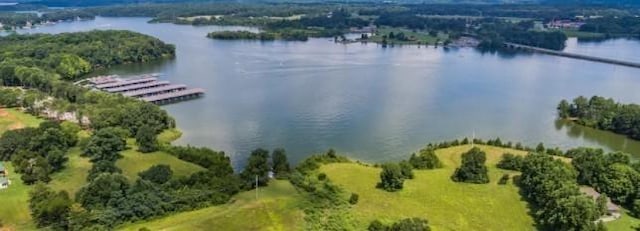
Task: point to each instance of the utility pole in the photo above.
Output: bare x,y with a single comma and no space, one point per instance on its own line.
256,187
473,139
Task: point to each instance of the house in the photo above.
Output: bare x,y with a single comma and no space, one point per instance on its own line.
4,182
613,210
3,171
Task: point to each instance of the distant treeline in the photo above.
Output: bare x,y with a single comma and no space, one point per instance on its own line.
493,35
601,113
263,36
614,26
10,19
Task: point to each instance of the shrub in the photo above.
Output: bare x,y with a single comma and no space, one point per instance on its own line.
426,159
510,162
391,178
504,179
635,209
322,176
376,225
406,169
354,198
473,169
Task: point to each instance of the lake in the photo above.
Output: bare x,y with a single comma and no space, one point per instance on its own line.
369,102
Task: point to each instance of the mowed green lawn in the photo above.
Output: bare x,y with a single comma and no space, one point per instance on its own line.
133,162
626,222
14,203
278,208
12,118
432,195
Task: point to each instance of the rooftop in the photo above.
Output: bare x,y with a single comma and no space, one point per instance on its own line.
590,191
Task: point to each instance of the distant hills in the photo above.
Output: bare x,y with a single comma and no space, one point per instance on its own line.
68,3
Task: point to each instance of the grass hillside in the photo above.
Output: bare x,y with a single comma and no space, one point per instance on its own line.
11,118
278,208
432,195
133,162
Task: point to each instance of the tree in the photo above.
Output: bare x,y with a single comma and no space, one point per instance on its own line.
590,163
618,158
376,225
504,179
601,204
146,139
106,188
510,162
280,163
406,169
391,178
473,169
49,208
411,224
426,159
103,166
354,198
635,209
158,174
105,144
621,183
257,165
564,109
540,148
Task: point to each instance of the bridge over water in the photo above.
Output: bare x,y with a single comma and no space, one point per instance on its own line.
572,55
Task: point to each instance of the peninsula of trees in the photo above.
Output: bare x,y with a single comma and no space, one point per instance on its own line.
602,113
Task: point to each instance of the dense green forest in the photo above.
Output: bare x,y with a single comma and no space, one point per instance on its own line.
11,20
601,113
42,66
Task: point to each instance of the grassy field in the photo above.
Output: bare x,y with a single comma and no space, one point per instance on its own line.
14,206
416,37
582,34
133,162
432,195
625,223
74,175
11,118
278,208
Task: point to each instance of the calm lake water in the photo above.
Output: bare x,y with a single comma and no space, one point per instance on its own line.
369,102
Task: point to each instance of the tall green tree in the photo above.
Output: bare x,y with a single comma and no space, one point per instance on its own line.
105,144
473,168
426,159
48,208
391,178
281,167
257,166
146,139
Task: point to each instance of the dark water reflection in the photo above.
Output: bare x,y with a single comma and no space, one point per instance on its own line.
372,103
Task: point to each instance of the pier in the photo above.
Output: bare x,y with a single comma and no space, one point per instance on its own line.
146,88
572,55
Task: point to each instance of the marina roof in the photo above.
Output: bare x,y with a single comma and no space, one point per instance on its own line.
137,86
142,92
126,82
170,95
